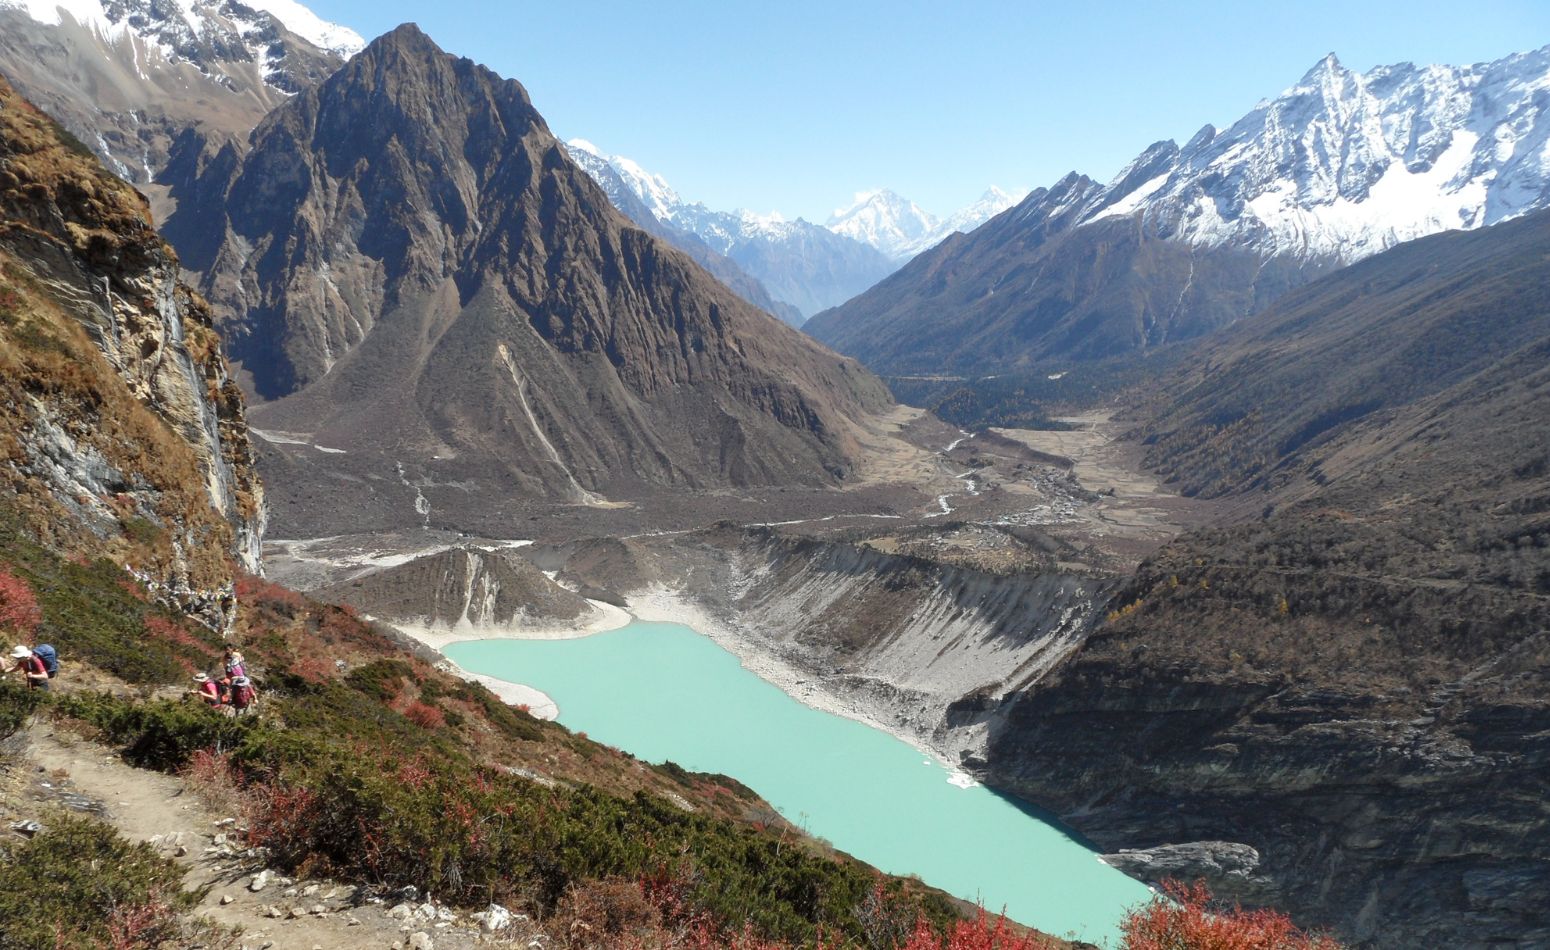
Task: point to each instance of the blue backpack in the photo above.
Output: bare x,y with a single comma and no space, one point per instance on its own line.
50,658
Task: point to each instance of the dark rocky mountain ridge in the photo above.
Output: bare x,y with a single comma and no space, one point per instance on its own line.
1351,681
1036,287
409,258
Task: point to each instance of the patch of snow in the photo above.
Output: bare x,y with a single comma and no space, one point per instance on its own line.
311,27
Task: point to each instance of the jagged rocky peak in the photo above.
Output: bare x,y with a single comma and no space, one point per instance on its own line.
1345,164
413,267
120,429
207,33
1185,240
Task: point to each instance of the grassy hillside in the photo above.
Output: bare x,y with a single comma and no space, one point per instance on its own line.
369,764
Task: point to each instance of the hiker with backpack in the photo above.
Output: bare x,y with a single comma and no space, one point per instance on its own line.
243,695
37,666
234,663
209,691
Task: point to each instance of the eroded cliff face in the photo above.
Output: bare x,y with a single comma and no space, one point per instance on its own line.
120,428
474,590
927,649
1402,819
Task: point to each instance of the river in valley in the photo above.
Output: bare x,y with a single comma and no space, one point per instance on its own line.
663,692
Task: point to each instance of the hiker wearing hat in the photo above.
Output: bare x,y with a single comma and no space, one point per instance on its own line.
243,694
31,667
208,690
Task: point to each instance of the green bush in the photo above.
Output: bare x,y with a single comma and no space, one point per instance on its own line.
78,884
380,679
16,704
160,735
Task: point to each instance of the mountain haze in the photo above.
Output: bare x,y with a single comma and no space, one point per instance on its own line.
901,229
413,266
802,265
627,195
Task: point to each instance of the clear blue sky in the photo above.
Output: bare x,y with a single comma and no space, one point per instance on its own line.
793,105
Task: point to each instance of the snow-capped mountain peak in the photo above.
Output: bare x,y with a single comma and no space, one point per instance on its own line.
175,27
1345,164
309,26
131,77
885,221
803,267
901,229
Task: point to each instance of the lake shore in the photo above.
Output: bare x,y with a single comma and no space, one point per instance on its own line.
660,604
666,605
540,705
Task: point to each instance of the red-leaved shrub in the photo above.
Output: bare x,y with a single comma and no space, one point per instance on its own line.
1187,919
218,781
427,717
984,932
19,611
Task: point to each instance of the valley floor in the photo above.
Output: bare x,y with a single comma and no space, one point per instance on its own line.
987,568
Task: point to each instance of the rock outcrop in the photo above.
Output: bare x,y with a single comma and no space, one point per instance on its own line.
121,426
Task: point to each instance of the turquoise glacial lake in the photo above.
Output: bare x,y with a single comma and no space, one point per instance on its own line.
661,691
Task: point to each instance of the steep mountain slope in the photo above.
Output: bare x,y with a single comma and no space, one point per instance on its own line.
120,431
1027,289
411,259
139,81
804,266
1352,682
625,197
1267,404
1340,166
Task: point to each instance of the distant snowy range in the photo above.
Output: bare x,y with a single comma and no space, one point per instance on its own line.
802,267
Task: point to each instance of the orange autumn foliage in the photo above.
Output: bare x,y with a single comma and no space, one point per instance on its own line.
1186,919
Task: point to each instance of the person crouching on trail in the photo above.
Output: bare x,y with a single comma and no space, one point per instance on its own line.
31,667
209,691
